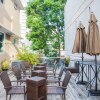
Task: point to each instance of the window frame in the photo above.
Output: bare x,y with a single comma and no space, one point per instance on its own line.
3,45
15,6
2,1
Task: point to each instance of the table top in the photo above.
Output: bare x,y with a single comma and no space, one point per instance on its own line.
80,60
86,61
38,71
40,66
36,78
89,63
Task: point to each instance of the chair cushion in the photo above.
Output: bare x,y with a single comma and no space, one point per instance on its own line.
55,90
52,80
16,90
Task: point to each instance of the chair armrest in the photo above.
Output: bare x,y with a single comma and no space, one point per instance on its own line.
19,86
55,77
7,87
13,86
17,81
52,81
14,81
26,76
57,86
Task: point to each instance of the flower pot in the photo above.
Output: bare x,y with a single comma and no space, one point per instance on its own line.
66,65
4,69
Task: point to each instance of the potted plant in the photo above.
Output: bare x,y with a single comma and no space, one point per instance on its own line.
25,54
4,65
67,61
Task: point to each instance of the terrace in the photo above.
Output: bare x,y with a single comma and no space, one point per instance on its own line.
10,41
74,91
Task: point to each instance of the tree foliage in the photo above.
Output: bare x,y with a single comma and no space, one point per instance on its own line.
45,19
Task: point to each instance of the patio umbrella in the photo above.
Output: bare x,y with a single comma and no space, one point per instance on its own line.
80,43
93,42
80,40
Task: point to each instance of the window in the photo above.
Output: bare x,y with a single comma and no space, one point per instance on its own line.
14,41
1,1
1,41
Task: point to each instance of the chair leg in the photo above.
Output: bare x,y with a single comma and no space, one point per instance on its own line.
10,97
17,83
61,97
6,96
64,96
88,94
24,96
59,83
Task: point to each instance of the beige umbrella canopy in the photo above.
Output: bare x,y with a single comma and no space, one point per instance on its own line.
93,47
80,40
80,45
93,40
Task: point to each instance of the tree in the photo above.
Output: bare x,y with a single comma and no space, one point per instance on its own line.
45,19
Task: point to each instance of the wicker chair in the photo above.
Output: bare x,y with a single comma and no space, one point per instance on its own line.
56,79
51,69
11,90
26,68
60,90
19,76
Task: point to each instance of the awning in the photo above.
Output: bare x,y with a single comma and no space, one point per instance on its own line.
19,3
7,31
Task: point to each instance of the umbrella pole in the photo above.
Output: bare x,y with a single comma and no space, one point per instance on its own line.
96,73
82,67
95,92
82,72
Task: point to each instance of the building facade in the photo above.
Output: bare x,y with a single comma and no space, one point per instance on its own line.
76,11
24,28
9,28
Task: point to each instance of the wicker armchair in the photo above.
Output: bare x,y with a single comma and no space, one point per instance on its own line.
19,76
26,68
60,90
11,90
56,79
51,69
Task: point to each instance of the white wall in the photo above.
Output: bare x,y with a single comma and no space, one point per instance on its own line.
76,11
24,28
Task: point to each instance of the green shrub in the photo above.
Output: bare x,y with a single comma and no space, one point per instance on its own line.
25,54
4,64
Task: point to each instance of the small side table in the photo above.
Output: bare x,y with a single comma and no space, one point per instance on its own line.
40,68
40,73
36,88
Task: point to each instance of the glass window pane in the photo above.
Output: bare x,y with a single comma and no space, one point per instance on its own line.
1,41
1,1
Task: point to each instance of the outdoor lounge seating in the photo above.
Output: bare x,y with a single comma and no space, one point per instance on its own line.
60,90
11,90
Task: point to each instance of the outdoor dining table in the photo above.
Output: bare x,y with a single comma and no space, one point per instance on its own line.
36,88
95,67
82,71
40,73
